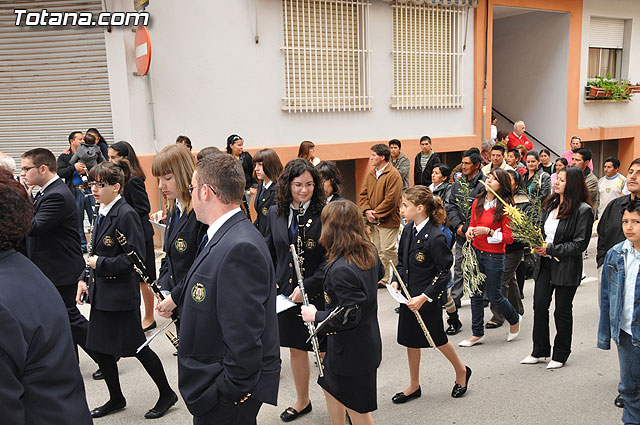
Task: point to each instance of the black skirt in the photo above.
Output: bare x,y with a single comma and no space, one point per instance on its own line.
294,332
118,333
410,333
355,392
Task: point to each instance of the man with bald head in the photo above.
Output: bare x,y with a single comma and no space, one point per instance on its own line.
518,137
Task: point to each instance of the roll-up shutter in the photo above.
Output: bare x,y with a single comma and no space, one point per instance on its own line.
606,33
53,80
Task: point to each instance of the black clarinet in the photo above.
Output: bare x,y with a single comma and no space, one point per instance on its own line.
140,268
87,268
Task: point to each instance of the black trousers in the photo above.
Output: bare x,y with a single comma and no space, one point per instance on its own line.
563,315
227,413
79,324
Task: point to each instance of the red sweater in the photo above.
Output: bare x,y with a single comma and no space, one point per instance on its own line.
515,141
486,220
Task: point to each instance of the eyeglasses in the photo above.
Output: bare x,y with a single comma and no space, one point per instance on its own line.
191,187
26,169
100,185
299,186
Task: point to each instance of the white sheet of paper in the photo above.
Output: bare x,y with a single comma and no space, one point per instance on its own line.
396,295
283,303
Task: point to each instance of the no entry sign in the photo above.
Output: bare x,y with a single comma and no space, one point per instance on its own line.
142,50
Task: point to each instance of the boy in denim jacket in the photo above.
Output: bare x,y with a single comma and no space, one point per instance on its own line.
620,310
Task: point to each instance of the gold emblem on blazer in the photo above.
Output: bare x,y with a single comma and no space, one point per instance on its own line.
265,211
108,241
181,245
420,257
198,292
311,244
327,298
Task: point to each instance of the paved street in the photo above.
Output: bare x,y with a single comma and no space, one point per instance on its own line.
501,390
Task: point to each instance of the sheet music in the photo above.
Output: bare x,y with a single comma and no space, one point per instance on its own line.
396,295
283,303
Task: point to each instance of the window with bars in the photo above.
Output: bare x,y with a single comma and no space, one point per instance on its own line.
427,56
326,55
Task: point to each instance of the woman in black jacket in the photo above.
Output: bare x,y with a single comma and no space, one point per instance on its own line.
114,328
331,180
235,147
268,168
354,347
135,193
440,185
567,226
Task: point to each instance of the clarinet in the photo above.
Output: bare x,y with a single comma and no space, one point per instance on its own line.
140,268
87,268
297,253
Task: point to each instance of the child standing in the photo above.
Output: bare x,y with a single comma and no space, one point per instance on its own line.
619,311
424,259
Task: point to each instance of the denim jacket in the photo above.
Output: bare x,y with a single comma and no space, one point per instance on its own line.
612,297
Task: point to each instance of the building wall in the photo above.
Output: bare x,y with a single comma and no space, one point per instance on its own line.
210,79
530,66
599,114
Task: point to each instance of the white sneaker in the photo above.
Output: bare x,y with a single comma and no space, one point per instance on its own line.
554,365
532,360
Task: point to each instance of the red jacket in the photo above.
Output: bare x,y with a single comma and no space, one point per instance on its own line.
515,141
486,220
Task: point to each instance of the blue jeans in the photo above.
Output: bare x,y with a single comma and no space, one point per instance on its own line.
629,387
84,203
492,265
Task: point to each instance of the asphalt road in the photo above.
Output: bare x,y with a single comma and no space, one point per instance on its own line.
501,390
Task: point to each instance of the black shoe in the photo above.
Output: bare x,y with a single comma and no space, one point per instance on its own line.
151,326
108,408
619,402
290,413
397,310
458,390
175,353
454,324
97,375
492,325
160,409
403,398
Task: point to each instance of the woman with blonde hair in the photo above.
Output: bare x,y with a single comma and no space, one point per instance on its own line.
307,150
173,166
354,346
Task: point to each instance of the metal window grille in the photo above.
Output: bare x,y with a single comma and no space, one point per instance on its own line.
427,56
326,55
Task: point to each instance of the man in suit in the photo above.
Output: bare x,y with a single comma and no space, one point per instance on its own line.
229,354
53,242
41,381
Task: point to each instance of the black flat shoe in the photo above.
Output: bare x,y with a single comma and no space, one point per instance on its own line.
492,325
150,327
290,413
619,402
458,390
97,375
403,398
159,409
108,408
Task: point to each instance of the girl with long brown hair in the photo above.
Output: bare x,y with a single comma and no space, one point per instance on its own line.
307,151
424,261
354,346
267,168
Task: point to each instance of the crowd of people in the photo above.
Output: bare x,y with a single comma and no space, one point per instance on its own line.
316,262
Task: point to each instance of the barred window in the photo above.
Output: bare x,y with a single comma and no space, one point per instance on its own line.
326,55
427,56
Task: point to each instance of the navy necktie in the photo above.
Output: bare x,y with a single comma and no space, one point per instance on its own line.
38,196
414,235
204,242
174,219
96,228
294,225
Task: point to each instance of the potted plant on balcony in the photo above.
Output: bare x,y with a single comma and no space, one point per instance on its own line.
606,88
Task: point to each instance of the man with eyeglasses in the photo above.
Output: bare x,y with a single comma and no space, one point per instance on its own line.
574,144
53,242
379,201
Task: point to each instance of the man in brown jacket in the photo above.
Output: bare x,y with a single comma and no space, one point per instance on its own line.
379,200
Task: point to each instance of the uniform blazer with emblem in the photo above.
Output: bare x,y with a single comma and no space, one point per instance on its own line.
354,347
114,284
181,240
421,258
265,198
53,242
277,238
229,343
41,381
